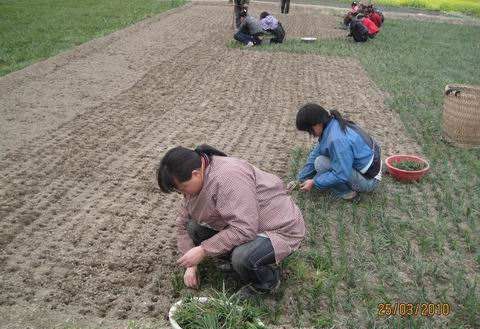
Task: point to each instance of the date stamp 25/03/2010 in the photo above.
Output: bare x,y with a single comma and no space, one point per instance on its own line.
414,309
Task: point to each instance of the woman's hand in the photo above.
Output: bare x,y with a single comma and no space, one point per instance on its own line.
192,257
190,278
307,185
292,185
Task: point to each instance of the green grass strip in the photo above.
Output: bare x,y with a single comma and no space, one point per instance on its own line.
464,6
470,7
34,30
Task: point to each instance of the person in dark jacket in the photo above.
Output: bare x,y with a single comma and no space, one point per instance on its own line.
362,28
285,6
358,31
271,25
238,7
249,30
346,159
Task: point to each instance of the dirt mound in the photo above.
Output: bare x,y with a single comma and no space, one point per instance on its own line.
84,229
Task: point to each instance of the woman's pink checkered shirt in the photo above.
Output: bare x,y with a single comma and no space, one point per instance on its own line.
241,201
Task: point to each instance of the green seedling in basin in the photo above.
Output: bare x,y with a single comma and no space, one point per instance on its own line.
409,165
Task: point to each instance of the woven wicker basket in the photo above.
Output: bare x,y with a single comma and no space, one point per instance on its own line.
461,115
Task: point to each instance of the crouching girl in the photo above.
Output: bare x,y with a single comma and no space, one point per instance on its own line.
231,209
346,159
271,25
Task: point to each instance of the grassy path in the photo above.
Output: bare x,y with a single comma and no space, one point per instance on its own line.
470,7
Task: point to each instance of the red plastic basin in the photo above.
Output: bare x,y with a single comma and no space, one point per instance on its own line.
406,175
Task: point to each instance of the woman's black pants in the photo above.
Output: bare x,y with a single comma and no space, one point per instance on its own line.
253,261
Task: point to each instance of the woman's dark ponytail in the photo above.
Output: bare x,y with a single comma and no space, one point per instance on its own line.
209,150
179,162
341,121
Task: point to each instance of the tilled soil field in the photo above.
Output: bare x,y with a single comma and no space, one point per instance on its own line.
84,230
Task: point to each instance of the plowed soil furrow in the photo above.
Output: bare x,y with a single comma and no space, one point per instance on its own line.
84,229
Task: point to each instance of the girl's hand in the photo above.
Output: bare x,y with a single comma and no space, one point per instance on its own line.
192,257
190,278
307,185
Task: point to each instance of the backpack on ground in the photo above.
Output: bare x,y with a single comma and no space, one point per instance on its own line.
358,31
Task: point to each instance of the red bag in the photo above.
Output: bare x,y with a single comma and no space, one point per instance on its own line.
376,18
372,28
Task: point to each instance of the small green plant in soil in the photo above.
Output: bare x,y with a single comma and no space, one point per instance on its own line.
220,311
177,283
409,165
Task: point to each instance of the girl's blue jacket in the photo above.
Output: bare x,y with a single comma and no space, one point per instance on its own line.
347,151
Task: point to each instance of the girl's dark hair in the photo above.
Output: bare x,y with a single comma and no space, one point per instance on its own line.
311,114
264,14
179,162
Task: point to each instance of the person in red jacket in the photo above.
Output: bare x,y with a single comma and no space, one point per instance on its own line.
376,18
371,27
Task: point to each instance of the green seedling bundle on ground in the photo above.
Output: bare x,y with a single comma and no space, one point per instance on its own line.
220,311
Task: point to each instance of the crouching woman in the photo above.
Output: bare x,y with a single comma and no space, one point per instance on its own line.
231,209
346,159
249,31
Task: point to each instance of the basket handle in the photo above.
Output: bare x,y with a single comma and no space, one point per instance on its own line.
455,90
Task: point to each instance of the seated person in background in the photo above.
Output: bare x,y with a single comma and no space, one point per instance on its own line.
355,9
362,28
271,25
249,30
374,15
358,31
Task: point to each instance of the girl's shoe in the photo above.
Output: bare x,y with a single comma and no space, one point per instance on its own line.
353,197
